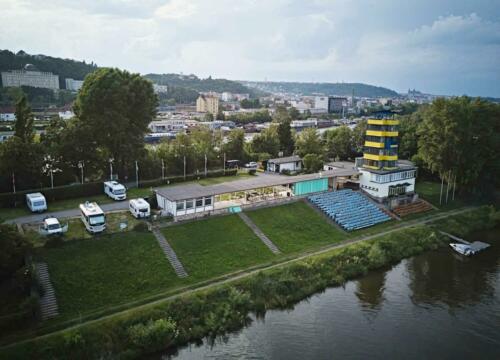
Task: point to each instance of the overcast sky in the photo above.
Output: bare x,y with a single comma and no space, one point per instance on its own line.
437,46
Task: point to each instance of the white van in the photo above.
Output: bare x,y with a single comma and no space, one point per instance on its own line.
92,217
115,190
139,208
51,226
36,202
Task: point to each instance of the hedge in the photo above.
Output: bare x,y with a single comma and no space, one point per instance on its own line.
8,200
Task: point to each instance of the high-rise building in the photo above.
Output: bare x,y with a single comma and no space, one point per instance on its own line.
336,104
383,176
73,85
207,103
30,76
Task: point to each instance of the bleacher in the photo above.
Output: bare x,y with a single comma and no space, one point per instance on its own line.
350,209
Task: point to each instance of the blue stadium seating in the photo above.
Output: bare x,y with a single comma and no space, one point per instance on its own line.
350,209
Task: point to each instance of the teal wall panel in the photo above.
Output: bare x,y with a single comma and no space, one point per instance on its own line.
310,186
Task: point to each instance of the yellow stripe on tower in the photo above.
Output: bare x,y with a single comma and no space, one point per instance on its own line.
382,122
381,133
380,157
374,144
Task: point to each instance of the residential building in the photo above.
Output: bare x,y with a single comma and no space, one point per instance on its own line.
289,163
73,85
160,89
321,102
66,115
207,103
30,76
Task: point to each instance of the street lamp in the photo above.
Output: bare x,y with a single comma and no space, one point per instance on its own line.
81,165
111,168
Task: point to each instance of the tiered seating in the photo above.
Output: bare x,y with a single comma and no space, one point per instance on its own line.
412,208
350,209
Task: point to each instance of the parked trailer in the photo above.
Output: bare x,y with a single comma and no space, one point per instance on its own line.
36,202
139,208
92,217
115,190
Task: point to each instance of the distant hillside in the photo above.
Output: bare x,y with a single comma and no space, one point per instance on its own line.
65,68
343,89
193,82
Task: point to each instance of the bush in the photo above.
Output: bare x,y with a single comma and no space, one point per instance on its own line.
154,335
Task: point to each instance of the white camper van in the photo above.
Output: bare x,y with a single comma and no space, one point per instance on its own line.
139,208
92,217
36,202
115,190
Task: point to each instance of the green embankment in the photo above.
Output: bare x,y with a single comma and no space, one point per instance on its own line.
215,246
295,227
222,308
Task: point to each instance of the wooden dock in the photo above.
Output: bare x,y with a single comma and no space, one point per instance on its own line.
476,246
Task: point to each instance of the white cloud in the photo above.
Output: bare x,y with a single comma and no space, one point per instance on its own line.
321,40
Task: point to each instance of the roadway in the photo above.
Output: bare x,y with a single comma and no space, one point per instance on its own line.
115,206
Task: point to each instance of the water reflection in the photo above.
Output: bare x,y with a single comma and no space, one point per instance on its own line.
370,289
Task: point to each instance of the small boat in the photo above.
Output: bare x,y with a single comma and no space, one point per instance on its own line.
463,249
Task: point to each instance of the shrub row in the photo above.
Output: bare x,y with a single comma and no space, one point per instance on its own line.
96,188
223,308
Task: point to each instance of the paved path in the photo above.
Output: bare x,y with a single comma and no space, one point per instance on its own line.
114,206
259,233
170,254
48,302
228,278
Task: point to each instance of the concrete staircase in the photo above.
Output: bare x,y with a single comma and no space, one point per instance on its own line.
48,302
259,233
170,254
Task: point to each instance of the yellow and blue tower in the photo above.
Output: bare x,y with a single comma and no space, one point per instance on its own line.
381,144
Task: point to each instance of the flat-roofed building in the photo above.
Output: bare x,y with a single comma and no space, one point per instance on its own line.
30,76
207,103
73,85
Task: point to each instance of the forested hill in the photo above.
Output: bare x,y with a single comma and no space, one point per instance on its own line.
65,68
343,89
201,85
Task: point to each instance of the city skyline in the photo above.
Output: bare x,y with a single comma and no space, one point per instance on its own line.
448,48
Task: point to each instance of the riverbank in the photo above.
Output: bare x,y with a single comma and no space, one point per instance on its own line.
226,307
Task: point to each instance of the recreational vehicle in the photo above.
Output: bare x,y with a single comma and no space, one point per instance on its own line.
139,208
36,202
92,217
115,190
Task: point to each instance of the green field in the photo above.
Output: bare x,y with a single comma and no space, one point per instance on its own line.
107,270
430,191
216,246
295,227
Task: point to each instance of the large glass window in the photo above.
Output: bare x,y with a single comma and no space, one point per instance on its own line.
180,205
208,201
189,204
199,202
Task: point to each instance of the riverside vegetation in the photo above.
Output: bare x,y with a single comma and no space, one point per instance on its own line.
217,310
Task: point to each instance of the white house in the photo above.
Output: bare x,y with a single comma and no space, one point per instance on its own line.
7,117
289,163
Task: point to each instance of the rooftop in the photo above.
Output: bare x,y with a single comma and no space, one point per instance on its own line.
286,159
190,191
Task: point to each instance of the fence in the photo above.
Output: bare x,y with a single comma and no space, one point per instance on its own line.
96,188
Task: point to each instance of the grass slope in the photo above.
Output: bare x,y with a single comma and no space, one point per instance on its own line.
295,227
216,246
107,270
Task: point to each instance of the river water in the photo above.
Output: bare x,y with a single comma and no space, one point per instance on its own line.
439,305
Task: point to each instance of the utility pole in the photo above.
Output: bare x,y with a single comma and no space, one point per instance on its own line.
184,167
454,186
13,183
224,163
111,168
162,169
205,165
51,178
448,185
136,174
441,192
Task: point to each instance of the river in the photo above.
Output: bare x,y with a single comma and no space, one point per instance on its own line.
438,305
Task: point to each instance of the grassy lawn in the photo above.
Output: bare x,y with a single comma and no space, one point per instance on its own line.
430,190
295,227
107,270
212,247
